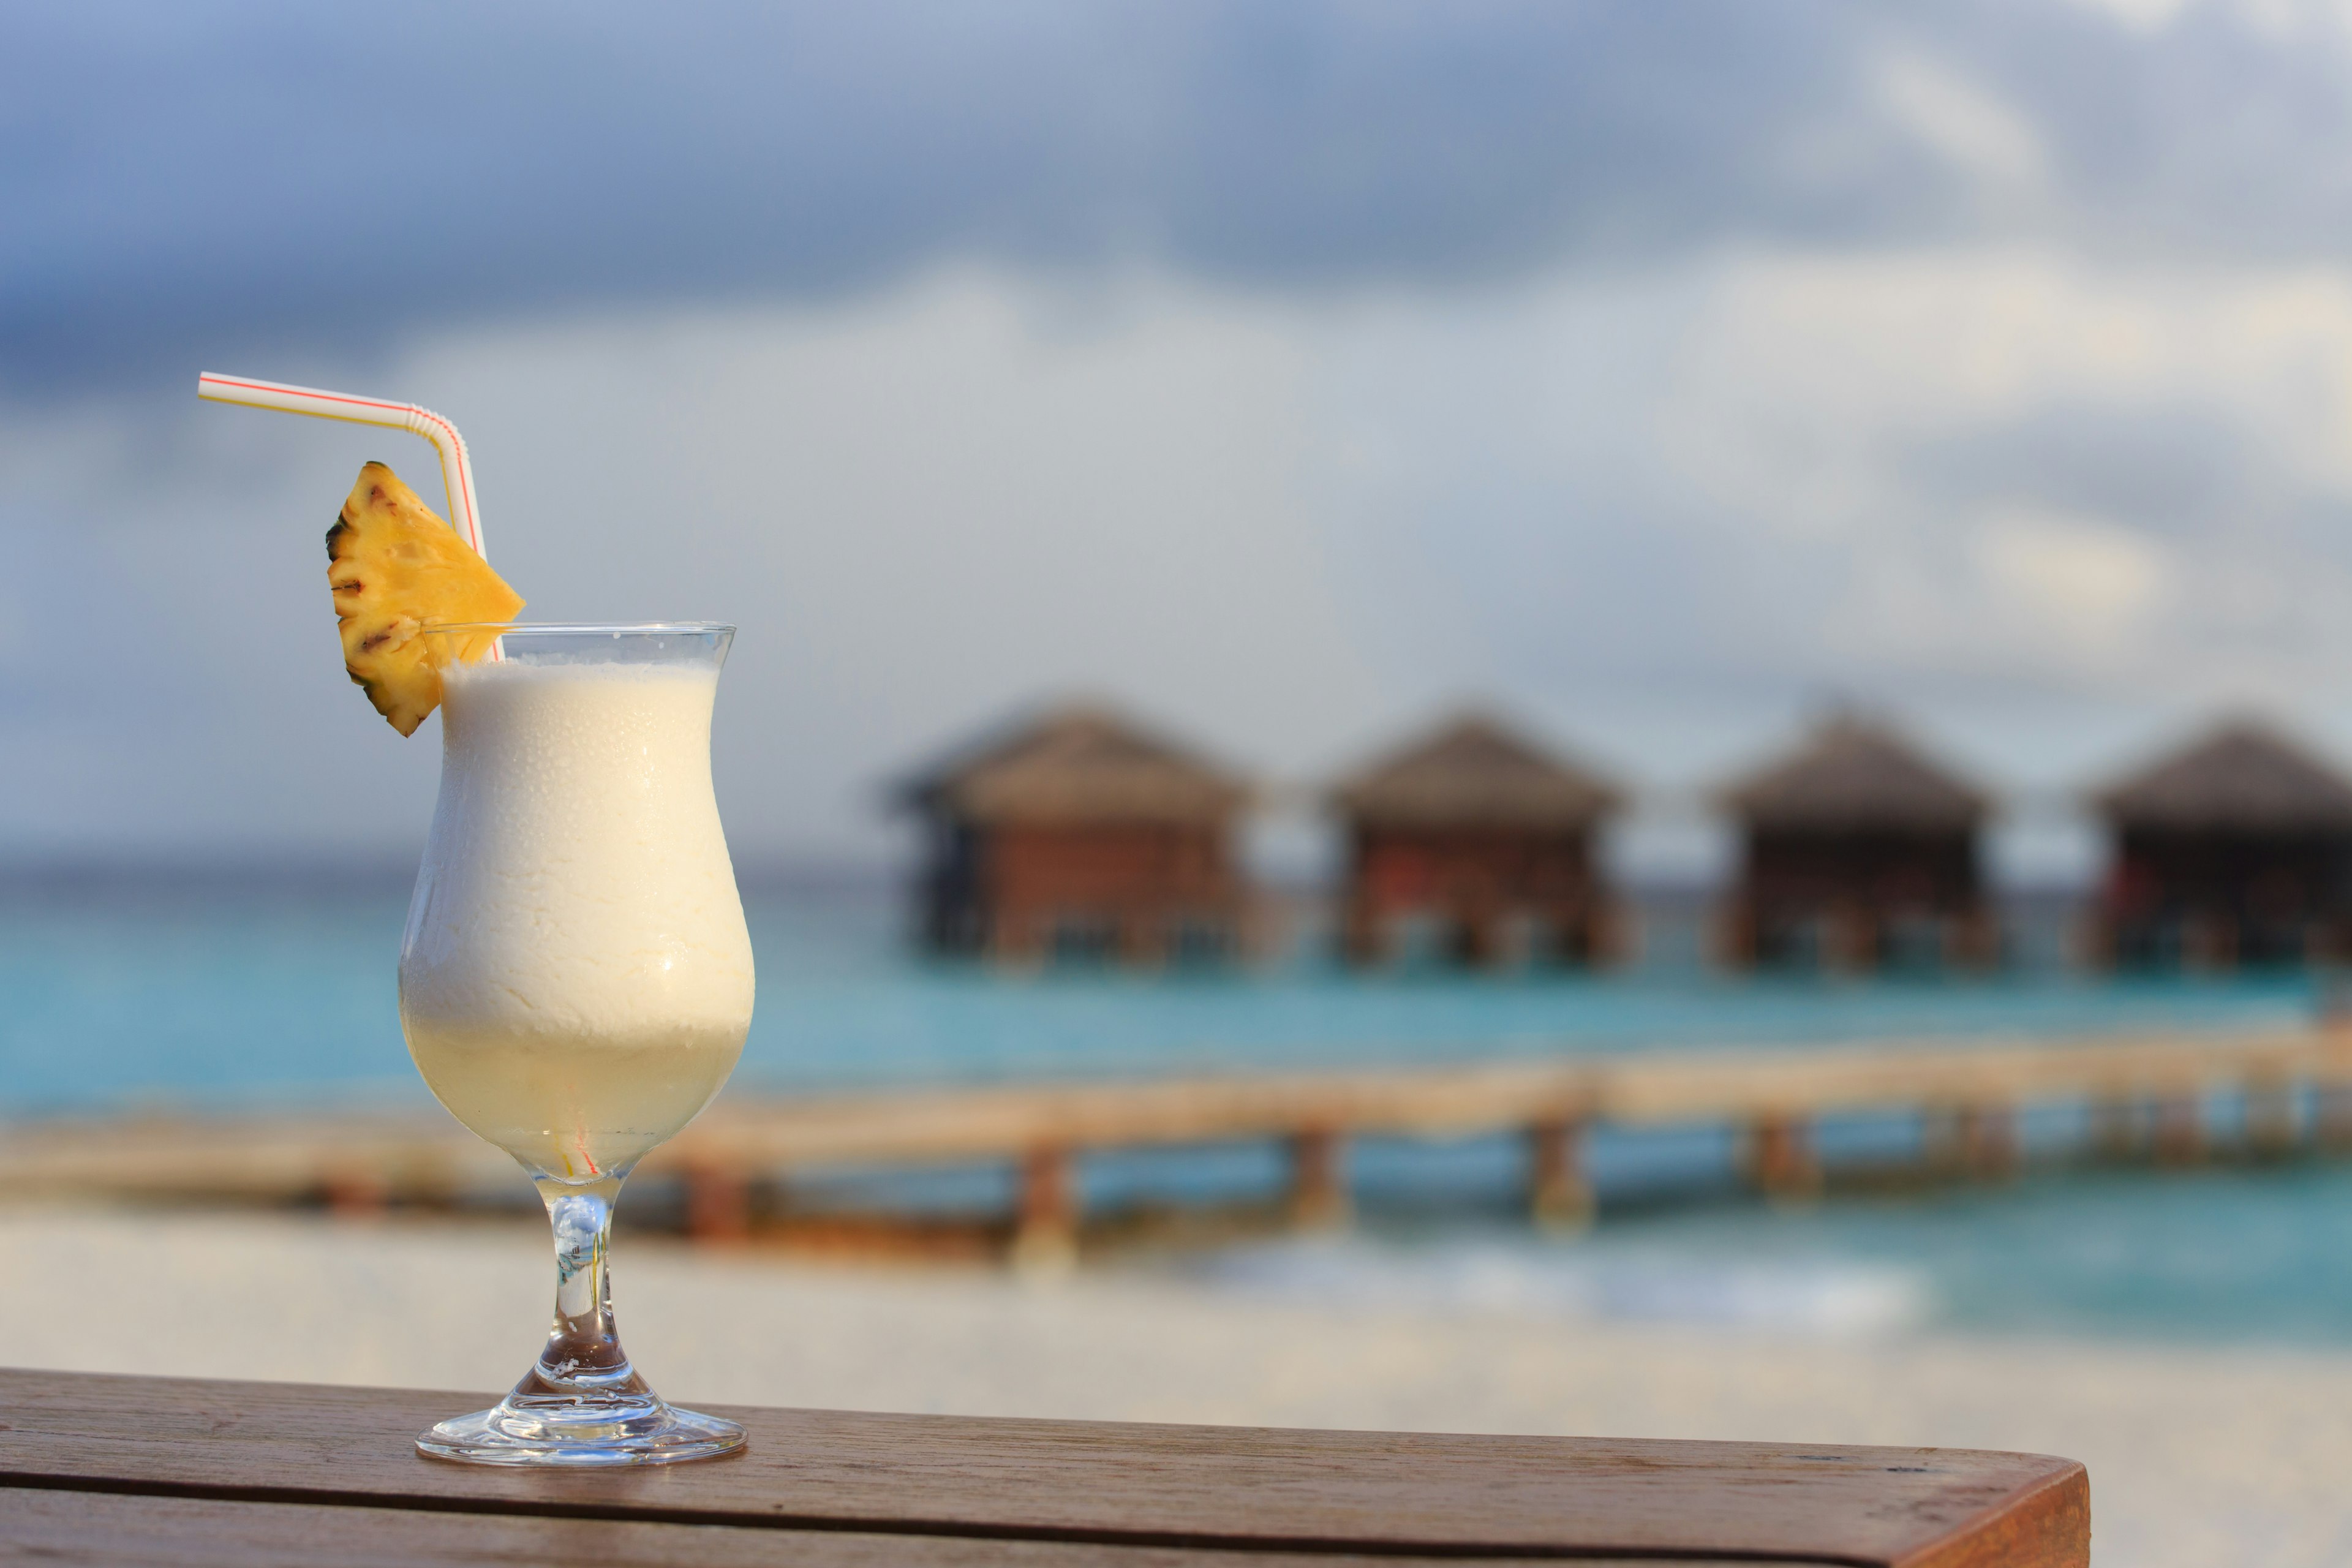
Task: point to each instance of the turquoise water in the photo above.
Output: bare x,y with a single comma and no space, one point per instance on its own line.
191,995
2228,1257
215,997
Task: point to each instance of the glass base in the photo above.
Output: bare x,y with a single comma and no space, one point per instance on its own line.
624,1430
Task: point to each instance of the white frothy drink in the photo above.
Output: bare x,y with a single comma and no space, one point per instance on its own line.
576,980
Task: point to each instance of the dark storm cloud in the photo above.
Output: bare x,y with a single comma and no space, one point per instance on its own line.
279,172
175,174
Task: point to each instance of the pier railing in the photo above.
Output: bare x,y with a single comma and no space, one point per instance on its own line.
2143,1093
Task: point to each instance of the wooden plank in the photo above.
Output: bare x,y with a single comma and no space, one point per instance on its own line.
1694,1086
266,1157
986,1122
396,1154
132,1532
1084,1482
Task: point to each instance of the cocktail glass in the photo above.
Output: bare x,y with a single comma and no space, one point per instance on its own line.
575,982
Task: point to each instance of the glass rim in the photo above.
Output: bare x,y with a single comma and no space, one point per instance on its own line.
579,629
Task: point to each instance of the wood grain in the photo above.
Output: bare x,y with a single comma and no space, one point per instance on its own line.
1177,1486
127,1532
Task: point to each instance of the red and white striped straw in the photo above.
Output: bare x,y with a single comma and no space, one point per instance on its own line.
457,469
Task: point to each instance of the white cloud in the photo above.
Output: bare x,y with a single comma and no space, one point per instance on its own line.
931,508
2083,584
1963,121
1808,388
2141,16
923,509
1672,505
2280,22
1658,511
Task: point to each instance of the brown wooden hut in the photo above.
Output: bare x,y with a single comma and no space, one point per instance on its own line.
1081,835
2236,849
1857,851
1481,830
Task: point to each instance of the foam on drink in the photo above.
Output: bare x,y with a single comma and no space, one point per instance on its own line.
576,980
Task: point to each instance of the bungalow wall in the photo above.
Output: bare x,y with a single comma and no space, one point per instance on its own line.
2219,896
1138,892
1859,898
1478,882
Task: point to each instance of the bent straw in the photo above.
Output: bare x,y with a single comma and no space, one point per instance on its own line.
456,468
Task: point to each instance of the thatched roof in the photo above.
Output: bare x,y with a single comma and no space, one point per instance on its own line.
1080,763
1473,770
2242,773
1859,772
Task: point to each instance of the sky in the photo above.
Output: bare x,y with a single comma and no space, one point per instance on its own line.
1290,373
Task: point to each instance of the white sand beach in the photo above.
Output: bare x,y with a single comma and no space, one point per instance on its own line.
2196,1458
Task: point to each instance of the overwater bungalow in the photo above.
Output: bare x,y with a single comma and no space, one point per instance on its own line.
1857,851
1486,838
2236,849
1080,835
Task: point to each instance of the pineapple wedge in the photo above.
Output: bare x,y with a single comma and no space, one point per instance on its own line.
393,565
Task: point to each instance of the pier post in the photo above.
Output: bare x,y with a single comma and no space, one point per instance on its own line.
1940,1142
1141,938
2178,1136
1988,1141
2114,1128
2331,1116
718,1201
1260,928
1319,1178
356,1191
1851,940
2209,944
421,1178
1736,934
2092,941
1968,1143
2271,1120
1559,1196
1366,938
1612,938
1972,941
1780,1158
1045,1230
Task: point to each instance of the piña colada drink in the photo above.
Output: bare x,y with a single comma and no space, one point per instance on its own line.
576,978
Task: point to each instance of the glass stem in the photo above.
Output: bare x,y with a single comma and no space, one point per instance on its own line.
584,1354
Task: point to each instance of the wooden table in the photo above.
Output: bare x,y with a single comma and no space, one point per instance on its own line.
145,1470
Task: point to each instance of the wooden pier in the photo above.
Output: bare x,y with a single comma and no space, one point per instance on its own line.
2146,1097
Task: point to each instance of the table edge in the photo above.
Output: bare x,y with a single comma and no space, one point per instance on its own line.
2046,1512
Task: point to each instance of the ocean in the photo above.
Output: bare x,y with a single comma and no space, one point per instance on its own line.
197,994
